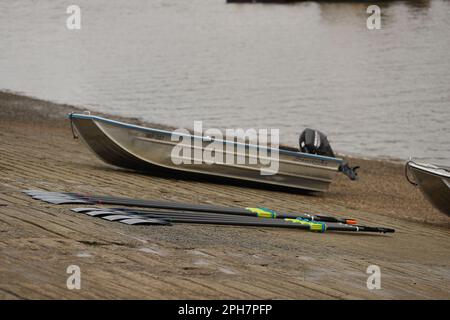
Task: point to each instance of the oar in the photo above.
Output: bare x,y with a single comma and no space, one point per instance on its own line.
73,198
313,226
100,212
62,198
205,220
166,213
229,219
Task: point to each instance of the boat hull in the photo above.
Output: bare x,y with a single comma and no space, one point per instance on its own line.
150,150
434,184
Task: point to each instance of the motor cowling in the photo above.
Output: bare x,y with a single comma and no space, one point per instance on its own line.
315,142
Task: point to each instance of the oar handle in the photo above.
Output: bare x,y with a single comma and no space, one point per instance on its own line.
376,229
267,213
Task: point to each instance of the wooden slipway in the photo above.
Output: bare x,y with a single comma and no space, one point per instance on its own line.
39,241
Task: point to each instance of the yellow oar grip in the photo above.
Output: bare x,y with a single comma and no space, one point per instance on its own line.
313,226
263,213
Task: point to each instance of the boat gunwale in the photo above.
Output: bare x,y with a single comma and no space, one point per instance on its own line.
431,171
168,133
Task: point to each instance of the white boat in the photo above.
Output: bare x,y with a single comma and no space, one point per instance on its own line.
433,181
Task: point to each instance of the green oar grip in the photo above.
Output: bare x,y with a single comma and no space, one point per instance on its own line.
267,213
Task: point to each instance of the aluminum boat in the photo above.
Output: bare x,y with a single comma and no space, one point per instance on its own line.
151,150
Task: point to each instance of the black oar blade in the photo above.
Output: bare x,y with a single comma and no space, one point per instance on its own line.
46,194
52,196
38,192
138,221
55,197
115,217
97,213
31,192
127,219
64,201
86,209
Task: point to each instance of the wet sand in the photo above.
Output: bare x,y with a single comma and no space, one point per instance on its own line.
39,241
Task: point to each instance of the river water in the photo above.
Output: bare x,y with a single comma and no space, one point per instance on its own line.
377,93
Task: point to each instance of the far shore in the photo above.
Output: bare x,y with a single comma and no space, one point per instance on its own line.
38,241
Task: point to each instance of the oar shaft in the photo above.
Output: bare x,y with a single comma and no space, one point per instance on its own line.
192,215
261,223
237,221
175,216
200,208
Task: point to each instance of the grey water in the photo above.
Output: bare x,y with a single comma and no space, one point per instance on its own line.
377,93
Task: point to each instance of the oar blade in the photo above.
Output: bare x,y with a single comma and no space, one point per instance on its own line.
84,209
138,221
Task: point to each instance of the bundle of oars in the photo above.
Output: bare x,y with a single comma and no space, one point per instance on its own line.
165,213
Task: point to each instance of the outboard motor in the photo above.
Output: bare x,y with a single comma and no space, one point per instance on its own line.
315,142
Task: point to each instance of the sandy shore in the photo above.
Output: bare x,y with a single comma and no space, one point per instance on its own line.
38,241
